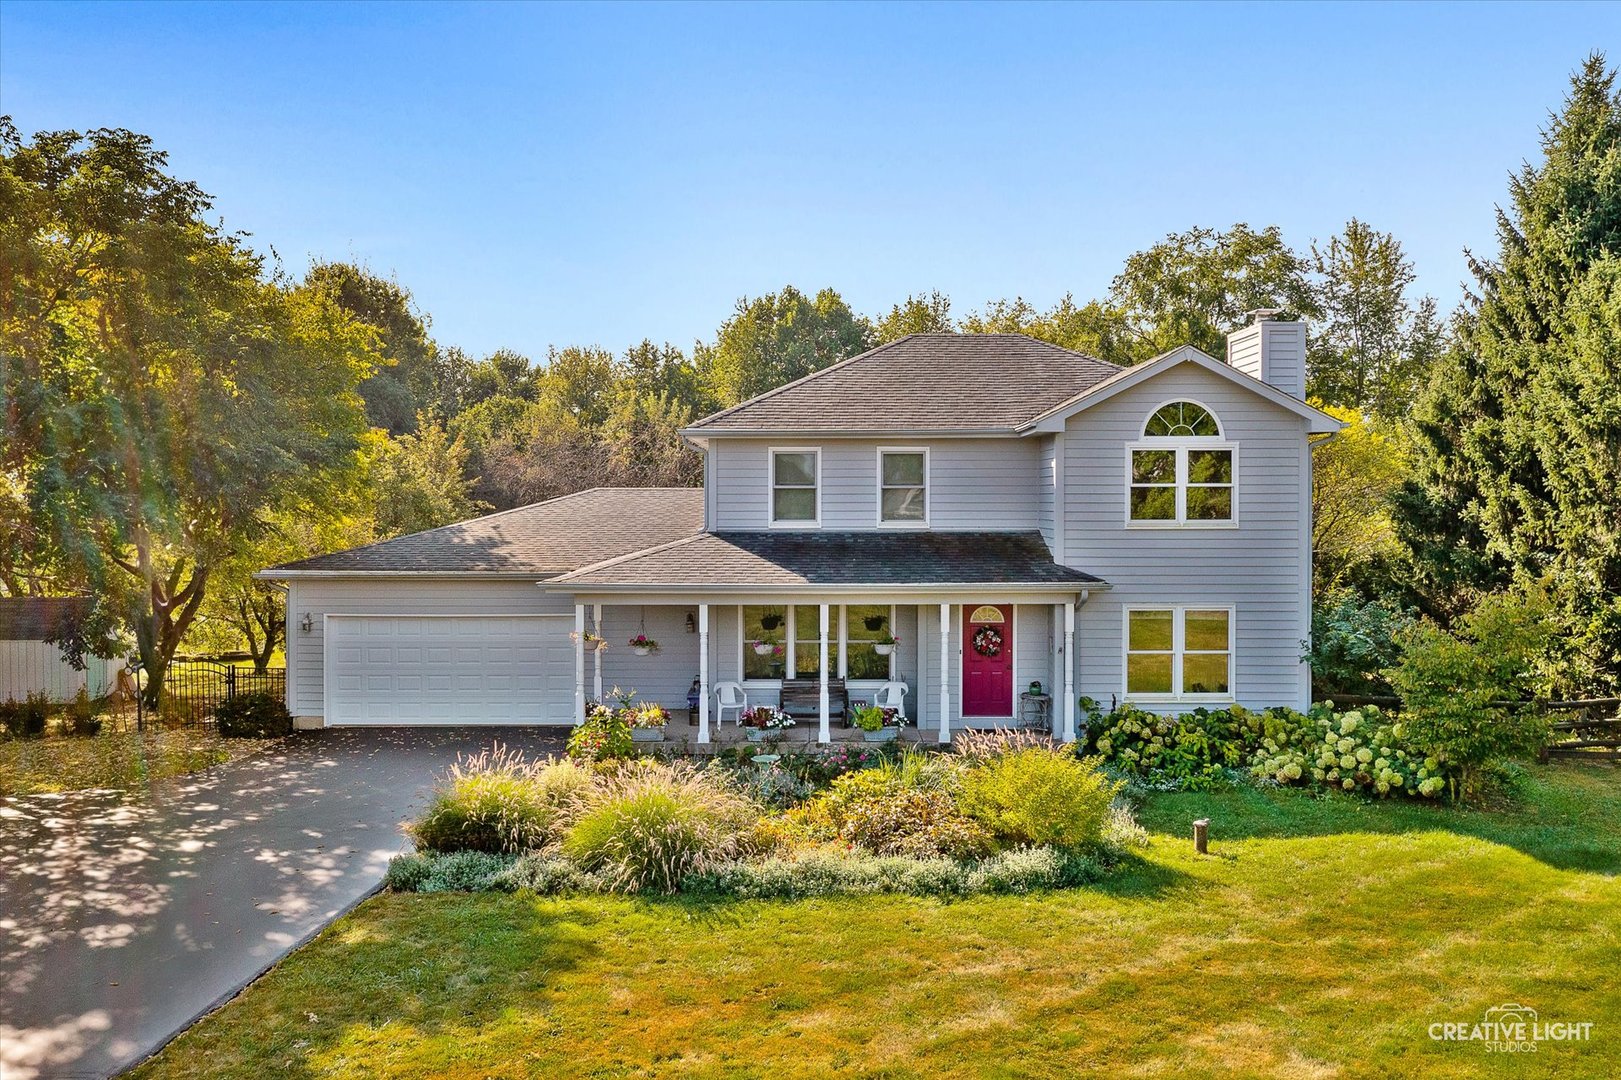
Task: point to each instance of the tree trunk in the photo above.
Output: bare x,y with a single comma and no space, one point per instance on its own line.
169,606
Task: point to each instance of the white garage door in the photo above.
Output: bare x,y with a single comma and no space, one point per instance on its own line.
457,669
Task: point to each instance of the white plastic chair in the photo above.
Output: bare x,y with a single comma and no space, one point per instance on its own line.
730,695
892,695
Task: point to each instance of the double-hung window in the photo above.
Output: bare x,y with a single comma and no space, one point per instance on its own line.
903,487
1179,652
1181,473
796,498
785,641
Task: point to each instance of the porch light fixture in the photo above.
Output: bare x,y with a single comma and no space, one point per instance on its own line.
306,624
692,623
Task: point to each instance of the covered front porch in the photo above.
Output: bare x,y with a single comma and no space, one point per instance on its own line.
981,661
979,628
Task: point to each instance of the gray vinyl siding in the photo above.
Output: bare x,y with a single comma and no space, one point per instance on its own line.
1047,489
973,483
1261,567
662,676
391,596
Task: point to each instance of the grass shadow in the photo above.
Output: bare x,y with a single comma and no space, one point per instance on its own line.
1568,817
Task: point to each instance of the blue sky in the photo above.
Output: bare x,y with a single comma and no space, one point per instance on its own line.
598,174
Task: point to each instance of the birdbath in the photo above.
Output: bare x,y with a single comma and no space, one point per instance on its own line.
765,761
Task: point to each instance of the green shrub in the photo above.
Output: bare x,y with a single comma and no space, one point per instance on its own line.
79,719
1467,696
1040,797
1352,642
822,873
546,875
496,801
26,718
1359,750
605,736
650,825
466,871
406,873
1193,751
903,808
458,871
253,716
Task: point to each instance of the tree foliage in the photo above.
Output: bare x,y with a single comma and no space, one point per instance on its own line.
1373,346
1516,472
780,337
1192,288
160,389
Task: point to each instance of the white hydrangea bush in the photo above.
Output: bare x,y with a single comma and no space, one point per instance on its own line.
1362,749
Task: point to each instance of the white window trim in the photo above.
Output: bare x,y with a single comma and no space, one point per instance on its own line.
790,643
771,487
1178,650
845,643
928,495
1180,447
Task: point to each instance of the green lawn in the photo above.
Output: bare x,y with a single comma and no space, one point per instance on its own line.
112,760
1320,938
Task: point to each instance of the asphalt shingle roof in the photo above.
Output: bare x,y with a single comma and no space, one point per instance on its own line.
923,382
839,558
543,539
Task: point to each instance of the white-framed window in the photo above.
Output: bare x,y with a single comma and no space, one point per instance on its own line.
779,639
1179,653
796,487
903,487
1182,473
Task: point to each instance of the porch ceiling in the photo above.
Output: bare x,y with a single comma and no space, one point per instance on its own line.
813,560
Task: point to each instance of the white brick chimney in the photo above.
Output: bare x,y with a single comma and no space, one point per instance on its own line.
1272,351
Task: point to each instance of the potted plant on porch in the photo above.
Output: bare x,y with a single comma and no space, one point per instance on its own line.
764,722
877,723
885,644
647,722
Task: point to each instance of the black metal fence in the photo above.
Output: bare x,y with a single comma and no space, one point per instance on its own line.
193,688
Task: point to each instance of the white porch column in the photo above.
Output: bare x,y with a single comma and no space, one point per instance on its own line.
703,673
596,677
945,673
1069,672
825,734
844,642
579,663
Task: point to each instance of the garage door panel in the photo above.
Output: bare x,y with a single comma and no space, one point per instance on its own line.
411,669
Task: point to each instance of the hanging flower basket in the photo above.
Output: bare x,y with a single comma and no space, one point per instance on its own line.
885,645
641,644
875,623
766,648
770,621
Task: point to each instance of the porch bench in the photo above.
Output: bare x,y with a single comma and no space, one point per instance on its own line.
803,698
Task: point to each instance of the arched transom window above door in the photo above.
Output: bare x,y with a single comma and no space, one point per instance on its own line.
1182,473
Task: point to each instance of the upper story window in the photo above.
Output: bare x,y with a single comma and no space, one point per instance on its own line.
903,486
1181,472
796,480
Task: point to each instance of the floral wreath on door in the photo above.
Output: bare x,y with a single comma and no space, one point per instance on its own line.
988,641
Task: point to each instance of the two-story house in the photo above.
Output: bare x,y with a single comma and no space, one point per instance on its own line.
1009,512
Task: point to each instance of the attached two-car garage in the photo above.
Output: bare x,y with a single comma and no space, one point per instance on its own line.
461,669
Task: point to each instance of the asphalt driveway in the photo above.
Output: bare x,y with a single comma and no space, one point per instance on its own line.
126,916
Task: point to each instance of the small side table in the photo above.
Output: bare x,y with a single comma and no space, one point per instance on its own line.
1035,711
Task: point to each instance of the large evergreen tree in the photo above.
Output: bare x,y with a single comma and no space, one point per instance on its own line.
1520,427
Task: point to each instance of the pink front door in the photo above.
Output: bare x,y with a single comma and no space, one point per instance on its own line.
987,660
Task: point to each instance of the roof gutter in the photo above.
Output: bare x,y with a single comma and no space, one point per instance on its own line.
761,588
851,433
275,574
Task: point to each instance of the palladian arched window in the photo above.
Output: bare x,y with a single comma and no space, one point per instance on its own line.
1182,472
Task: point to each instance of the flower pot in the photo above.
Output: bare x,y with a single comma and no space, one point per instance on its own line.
770,622
875,623
760,734
641,650
647,734
883,734
883,650
762,648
